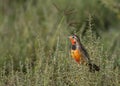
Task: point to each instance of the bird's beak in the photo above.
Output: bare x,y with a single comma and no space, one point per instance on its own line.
69,37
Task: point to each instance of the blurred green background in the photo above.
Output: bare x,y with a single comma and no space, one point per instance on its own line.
34,45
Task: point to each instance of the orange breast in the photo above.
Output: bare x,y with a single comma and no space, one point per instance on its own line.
76,55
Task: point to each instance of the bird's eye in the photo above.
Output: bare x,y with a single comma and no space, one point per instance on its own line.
73,37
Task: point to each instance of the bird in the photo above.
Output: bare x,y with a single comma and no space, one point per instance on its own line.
80,54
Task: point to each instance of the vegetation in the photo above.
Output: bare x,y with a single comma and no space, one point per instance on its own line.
34,44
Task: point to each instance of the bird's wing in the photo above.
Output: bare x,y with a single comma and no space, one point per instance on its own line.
85,53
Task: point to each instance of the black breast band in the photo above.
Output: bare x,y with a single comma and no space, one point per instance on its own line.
73,47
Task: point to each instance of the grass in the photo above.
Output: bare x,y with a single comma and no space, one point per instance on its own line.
34,44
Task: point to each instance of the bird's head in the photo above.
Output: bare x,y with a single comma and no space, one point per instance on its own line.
74,39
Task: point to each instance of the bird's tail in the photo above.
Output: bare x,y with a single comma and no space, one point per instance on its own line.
93,67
